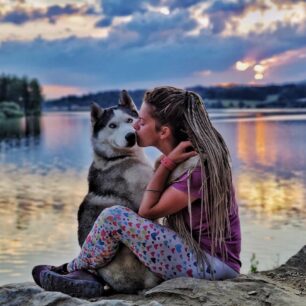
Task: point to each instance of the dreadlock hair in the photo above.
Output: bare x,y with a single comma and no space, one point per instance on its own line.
185,114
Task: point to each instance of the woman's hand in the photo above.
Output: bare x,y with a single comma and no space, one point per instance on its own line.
159,204
182,151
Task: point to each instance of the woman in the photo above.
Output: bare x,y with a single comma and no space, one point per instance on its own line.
201,235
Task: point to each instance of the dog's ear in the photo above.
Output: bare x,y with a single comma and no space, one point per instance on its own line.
96,112
126,100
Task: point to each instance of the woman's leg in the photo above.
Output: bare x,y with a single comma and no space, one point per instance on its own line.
157,247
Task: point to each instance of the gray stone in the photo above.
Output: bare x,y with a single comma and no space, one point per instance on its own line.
285,285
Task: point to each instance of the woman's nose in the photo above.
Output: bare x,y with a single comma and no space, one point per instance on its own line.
135,125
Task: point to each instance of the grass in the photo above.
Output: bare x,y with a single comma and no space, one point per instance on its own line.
254,264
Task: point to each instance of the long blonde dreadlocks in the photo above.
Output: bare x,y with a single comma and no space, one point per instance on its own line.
185,114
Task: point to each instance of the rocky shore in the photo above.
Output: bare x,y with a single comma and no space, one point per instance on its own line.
285,285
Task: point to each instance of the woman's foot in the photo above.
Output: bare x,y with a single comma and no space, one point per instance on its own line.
62,269
81,284
37,271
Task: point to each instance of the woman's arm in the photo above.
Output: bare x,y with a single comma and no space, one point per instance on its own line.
158,202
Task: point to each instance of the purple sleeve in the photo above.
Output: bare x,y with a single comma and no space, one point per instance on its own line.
195,183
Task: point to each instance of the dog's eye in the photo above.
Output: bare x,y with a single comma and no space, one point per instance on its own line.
130,120
112,126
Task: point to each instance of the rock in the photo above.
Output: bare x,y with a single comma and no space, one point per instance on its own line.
285,285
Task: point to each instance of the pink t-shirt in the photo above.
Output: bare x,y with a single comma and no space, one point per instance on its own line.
232,243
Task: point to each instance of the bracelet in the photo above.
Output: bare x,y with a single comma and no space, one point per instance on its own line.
153,190
168,163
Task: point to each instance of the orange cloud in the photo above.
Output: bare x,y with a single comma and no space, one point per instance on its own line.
53,91
263,66
243,65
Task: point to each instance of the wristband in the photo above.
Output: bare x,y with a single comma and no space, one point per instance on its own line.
168,163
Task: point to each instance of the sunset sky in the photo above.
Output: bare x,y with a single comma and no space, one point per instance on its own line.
81,46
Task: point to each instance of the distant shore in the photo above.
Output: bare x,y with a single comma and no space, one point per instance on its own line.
235,96
274,111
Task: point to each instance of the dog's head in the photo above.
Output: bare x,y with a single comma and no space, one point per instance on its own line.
112,127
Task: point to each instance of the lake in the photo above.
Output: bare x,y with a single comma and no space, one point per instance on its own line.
43,170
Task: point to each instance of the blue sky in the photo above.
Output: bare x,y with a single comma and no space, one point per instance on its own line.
75,46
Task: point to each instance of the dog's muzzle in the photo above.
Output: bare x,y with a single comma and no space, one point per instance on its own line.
131,139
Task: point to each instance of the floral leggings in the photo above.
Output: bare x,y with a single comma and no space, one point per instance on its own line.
157,247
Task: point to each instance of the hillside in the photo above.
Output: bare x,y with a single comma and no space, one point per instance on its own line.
234,96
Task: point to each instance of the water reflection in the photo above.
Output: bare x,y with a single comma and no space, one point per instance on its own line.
54,141
43,168
37,216
271,197
63,132
15,132
269,164
270,177
272,144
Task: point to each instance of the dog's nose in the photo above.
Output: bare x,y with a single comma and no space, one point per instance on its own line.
131,139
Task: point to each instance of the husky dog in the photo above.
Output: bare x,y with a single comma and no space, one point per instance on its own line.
118,174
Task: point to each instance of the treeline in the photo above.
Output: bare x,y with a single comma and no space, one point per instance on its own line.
104,99
287,95
24,92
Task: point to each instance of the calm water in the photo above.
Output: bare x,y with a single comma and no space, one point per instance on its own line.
43,168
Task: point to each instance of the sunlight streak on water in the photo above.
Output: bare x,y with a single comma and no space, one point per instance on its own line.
270,198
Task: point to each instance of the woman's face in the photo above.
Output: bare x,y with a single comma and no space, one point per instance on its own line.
145,128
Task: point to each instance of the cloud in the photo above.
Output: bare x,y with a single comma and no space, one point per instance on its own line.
52,91
56,10
113,8
90,63
261,17
93,65
293,71
137,42
104,22
220,13
160,27
284,38
237,7
16,17
22,15
173,4
146,29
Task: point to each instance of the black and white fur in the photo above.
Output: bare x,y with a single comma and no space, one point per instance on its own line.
118,175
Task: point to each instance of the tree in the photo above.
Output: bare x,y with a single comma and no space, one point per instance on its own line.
26,93
35,96
3,88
